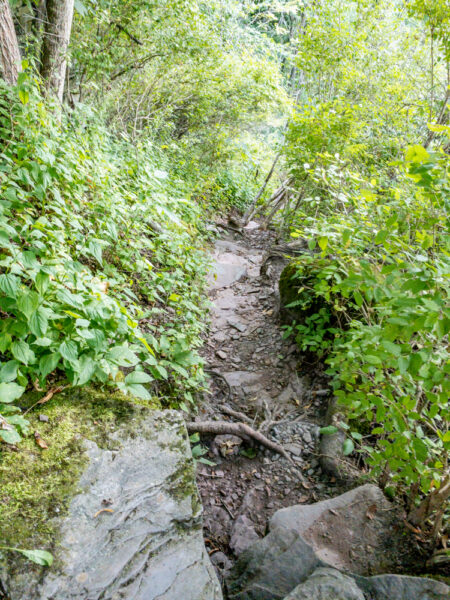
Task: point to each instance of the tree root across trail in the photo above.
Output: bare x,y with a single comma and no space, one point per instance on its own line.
239,429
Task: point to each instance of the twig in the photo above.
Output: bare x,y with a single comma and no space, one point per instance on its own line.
241,430
48,396
132,37
224,504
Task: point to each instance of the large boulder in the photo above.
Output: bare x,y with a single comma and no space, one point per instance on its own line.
308,546
135,531
351,531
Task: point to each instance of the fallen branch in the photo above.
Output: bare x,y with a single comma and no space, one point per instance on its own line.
241,430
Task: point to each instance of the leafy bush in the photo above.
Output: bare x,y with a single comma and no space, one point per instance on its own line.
382,271
100,263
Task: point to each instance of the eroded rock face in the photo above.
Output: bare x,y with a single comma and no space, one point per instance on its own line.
148,542
309,546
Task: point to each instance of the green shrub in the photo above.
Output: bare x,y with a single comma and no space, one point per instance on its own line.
100,262
382,271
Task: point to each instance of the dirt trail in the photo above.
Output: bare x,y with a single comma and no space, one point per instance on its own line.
258,373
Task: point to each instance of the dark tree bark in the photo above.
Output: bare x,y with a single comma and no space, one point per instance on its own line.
9,48
58,24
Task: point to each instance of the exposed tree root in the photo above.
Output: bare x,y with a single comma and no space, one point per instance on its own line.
240,429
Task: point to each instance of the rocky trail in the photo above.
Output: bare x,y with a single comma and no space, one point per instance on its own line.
259,378
254,371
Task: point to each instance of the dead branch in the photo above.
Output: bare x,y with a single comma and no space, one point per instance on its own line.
252,208
132,37
240,429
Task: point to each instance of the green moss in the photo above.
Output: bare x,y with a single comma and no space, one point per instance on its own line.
38,484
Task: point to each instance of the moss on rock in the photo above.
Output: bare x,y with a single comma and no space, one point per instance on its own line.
37,484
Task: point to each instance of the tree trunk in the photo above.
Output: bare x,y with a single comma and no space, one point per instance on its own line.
56,41
9,48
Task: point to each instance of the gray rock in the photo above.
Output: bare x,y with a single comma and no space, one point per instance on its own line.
243,535
327,584
237,325
151,546
339,535
272,567
402,587
333,527
225,274
221,561
294,449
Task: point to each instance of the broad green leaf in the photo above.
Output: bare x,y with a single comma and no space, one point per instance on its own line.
42,282
122,356
328,430
69,350
39,322
139,391
28,302
10,392
348,447
48,363
323,243
138,377
8,371
22,352
10,436
372,360
9,285
87,368
40,557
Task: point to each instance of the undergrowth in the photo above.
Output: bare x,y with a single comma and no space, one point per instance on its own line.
102,261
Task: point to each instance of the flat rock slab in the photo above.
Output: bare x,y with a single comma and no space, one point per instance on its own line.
248,378
151,546
225,274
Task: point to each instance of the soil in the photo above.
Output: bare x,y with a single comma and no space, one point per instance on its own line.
256,371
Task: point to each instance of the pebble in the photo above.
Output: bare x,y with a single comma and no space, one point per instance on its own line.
307,437
221,354
43,418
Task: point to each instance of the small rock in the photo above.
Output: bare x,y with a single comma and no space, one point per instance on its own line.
221,354
307,437
294,449
243,535
227,445
221,561
237,325
43,418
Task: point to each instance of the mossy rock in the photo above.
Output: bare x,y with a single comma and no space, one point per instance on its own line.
38,484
